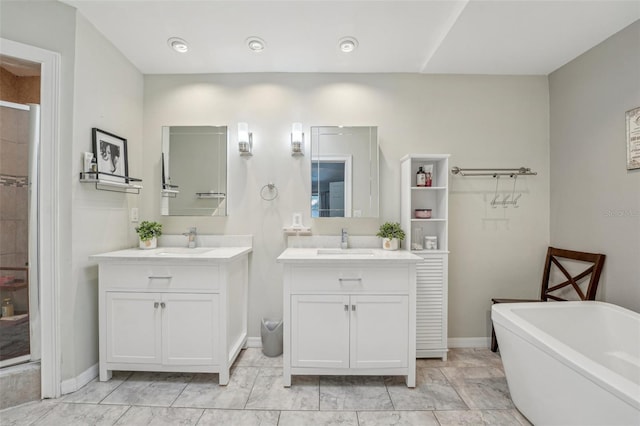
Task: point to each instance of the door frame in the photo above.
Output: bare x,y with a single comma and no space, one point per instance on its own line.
347,160
48,209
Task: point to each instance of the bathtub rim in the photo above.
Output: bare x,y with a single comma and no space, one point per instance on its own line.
503,315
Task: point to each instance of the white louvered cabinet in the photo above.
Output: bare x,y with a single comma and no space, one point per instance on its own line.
432,272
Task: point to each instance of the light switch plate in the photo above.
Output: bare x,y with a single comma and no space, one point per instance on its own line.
134,215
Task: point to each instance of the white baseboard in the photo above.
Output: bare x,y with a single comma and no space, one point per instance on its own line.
453,342
253,342
468,342
73,384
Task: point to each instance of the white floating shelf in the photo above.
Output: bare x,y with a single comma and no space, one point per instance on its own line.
211,195
105,184
297,230
170,193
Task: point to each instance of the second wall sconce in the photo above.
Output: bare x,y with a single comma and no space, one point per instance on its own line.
297,139
245,139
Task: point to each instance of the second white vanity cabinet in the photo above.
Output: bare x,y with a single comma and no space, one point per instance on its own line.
171,311
349,314
345,331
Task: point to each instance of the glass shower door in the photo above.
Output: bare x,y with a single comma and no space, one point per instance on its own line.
19,134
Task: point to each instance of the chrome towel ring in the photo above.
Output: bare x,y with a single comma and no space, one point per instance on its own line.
269,192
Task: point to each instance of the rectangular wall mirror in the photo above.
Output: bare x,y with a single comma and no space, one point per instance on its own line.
344,171
194,171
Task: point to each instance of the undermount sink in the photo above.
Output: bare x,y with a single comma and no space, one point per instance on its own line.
182,251
345,252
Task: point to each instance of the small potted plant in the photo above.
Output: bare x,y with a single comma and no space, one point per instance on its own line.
391,235
148,232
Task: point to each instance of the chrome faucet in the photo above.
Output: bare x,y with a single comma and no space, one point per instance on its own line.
192,236
344,241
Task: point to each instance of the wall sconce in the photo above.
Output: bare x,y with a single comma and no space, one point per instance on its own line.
245,139
297,139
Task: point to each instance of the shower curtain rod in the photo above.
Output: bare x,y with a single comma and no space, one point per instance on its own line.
520,171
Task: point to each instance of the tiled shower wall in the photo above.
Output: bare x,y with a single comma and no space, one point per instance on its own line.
14,167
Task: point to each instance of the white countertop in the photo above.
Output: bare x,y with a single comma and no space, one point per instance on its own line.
180,254
306,255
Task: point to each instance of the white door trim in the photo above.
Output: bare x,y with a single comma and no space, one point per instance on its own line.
347,160
48,212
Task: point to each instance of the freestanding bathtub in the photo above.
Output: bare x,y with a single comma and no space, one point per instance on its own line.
571,363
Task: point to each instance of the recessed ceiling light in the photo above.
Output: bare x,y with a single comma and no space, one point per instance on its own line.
256,44
348,44
178,44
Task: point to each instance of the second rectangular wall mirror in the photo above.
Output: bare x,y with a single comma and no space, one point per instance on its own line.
194,171
344,171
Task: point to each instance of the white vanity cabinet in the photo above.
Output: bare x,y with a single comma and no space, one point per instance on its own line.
349,315
345,331
162,328
175,314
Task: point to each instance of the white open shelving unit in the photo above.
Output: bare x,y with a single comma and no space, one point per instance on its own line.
432,272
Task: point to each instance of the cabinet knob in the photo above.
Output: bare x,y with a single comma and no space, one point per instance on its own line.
156,304
353,307
163,305
346,307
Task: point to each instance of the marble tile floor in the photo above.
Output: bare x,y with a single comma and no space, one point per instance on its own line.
468,389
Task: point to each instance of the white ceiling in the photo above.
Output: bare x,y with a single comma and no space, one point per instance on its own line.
419,36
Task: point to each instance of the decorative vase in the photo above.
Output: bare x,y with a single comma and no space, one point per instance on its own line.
390,243
149,244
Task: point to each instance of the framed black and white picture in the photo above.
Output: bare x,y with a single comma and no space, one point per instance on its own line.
110,152
633,139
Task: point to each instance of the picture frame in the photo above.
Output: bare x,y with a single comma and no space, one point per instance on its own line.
110,152
633,138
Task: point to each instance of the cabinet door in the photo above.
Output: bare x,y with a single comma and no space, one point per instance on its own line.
379,331
133,327
190,329
431,303
320,331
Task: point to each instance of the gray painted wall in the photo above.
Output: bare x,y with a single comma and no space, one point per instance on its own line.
98,88
108,95
595,200
482,121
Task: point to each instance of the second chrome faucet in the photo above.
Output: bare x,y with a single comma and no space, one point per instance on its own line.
344,241
192,236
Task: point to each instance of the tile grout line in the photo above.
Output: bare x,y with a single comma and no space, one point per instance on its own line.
255,379
454,387
121,415
193,376
42,416
200,418
389,393
114,389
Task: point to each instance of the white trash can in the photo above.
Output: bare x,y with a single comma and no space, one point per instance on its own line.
271,334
